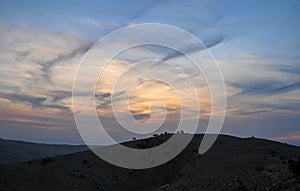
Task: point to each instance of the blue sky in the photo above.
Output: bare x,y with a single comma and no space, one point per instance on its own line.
256,44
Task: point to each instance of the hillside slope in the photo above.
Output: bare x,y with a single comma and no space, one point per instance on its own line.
19,151
231,164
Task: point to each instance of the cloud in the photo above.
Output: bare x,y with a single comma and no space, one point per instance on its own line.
60,107
102,95
103,99
46,66
36,52
287,88
191,48
254,87
252,112
58,95
289,137
140,115
34,101
270,87
22,123
292,67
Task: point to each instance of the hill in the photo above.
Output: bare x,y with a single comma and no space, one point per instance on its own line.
231,164
19,151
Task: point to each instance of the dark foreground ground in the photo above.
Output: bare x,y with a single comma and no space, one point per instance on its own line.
231,164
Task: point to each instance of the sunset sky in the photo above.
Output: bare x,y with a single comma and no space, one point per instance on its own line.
256,44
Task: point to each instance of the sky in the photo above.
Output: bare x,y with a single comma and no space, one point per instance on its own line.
256,45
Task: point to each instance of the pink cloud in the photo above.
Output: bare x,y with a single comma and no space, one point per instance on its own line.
289,137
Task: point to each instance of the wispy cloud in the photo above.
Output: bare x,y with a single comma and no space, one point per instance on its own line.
265,88
191,48
46,66
139,115
34,101
58,95
40,50
289,137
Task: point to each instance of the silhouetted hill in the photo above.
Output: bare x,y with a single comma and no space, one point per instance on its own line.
231,164
19,151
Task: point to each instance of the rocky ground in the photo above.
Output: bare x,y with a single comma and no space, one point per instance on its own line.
231,164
